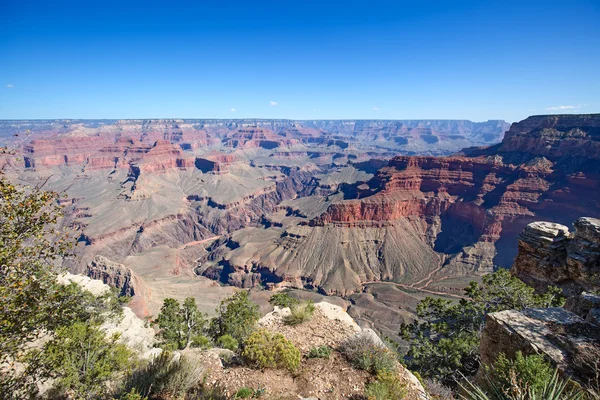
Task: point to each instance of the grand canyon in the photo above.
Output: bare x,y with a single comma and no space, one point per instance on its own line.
374,215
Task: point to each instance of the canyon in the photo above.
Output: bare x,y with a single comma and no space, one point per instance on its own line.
375,215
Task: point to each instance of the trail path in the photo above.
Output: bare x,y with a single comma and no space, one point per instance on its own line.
178,263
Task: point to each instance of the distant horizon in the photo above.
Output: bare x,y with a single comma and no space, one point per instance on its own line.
292,119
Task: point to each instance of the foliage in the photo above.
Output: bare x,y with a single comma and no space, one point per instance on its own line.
81,360
283,300
271,350
387,386
366,355
438,391
201,341
299,314
445,341
323,351
206,392
553,388
236,316
526,372
132,395
179,324
165,376
244,393
228,342
32,247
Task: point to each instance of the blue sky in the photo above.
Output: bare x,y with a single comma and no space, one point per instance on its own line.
305,59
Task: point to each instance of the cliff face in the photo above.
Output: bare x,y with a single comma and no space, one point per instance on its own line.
546,167
550,255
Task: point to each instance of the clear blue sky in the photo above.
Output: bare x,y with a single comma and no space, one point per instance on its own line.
304,59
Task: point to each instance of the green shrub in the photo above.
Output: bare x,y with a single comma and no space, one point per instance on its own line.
228,342
164,376
201,341
387,386
300,314
366,355
320,352
132,395
237,316
528,372
244,393
271,350
283,300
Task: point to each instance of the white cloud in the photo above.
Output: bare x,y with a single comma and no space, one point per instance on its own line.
272,103
560,108
375,108
233,110
10,86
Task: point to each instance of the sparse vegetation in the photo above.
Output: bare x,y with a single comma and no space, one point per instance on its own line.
437,391
236,316
366,355
553,388
300,314
283,300
523,371
201,341
228,342
387,386
271,350
80,360
320,352
445,342
164,376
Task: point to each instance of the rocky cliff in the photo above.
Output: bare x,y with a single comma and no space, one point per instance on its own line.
551,255
568,337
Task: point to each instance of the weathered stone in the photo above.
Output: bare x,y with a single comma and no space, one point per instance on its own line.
549,255
563,338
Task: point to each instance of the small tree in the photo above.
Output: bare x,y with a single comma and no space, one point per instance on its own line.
33,303
445,342
81,360
236,316
180,324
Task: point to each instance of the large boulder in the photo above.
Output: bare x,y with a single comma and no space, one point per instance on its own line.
550,255
563,338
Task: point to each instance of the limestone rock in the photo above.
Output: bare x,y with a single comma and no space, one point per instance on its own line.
550,255
566,340
113,274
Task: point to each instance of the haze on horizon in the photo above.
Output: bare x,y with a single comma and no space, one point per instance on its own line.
310,60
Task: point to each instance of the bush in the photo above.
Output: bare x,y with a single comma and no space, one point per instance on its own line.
271,350
164,376
132,395
244,393
207,392
320,352
366,355
236,316
437,391
387,386
283,300
526,372
201,341
300,314
81,360
228,342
